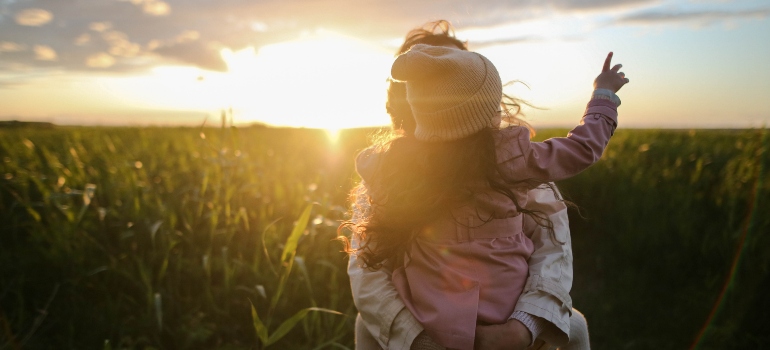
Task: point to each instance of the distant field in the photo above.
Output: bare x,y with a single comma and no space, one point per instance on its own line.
164,238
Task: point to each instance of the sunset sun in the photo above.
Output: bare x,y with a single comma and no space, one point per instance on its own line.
324,80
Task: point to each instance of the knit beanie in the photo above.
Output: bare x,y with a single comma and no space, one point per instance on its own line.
452,93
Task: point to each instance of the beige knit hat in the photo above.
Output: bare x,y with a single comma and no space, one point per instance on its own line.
453,93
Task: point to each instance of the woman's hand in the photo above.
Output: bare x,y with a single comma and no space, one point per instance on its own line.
610,79
512,335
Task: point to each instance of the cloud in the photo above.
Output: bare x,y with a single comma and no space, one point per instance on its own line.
125,49
119,45
153,7
195,53
157,8
9,46
478,44
598,4
83,39
100,60
663,16
259,26
100,26
44,53
33,17
153,44
114,36
187,36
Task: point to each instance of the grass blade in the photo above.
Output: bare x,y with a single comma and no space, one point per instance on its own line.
289,250
287,325
259,327
291,243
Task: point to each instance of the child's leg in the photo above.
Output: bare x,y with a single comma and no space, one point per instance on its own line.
578,333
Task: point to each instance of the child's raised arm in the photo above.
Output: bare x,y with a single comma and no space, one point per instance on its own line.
563,157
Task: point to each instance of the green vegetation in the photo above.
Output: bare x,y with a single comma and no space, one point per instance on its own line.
224,238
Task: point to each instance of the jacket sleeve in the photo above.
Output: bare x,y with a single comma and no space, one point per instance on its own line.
383,313
546,293
558,158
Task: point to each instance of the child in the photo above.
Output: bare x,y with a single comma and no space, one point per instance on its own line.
446,203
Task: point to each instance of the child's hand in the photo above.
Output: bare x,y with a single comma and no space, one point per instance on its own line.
610,79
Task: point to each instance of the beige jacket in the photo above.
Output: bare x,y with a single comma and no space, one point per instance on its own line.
546,293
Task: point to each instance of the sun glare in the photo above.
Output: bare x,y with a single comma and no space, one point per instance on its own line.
333,134
324,80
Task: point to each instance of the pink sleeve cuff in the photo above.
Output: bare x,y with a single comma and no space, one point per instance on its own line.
536,325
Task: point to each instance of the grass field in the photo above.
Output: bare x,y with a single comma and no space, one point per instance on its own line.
183,238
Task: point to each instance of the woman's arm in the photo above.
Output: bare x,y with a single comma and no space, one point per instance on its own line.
383,313
546,293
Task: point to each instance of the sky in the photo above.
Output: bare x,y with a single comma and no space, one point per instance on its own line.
324,63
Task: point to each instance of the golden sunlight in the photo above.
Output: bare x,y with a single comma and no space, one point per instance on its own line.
333,134
324,80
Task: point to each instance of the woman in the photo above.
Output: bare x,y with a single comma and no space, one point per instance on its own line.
543,311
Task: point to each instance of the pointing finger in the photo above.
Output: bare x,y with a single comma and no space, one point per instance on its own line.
616,67
607,61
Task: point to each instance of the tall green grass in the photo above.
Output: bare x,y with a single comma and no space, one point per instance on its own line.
165,237
668,213
190,238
